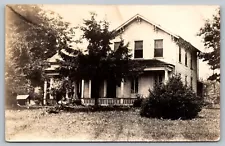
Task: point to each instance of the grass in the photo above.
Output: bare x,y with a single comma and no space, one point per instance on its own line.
37,125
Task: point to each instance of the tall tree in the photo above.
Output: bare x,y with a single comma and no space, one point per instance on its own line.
210,33
99,61
33,34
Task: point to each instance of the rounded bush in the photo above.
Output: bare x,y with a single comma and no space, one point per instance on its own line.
138,101
172,101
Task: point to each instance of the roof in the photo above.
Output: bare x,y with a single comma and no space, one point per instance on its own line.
152,62
52,67
54,64
55,58
157,26
22,97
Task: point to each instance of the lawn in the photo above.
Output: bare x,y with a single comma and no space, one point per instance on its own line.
37,125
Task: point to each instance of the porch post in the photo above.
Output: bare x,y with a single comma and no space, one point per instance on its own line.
166,76
105,88
67,96
45,92
89,88
122,87
74,90
51,85
82,89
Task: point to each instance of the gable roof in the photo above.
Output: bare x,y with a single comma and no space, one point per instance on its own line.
54,58
138,16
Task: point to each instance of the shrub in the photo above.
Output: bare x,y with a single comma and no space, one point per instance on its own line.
77,102
172,101
138,101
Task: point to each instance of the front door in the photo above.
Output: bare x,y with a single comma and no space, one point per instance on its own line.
95,86
111,88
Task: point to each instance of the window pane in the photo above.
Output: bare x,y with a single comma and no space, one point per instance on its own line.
186,58
156,79
185,80
158,44
116,45
138,45
138,54
158,53
132,86
160,79
179,54
136,85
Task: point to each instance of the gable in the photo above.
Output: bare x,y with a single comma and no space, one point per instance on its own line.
138,18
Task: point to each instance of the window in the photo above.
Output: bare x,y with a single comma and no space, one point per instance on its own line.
134,85
138,49
116,45
191,83
185,80
179,54
185,58
158,79
191,61
158,51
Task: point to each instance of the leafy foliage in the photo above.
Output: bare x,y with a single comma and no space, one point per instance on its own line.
172,101
184,44
61,88
211,92
210,33
138,101
33,34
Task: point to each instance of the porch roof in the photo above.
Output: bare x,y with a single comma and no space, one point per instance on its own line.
153,63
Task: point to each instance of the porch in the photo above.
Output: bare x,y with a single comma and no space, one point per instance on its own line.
109,92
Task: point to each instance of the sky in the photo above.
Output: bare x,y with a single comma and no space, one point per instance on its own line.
184,21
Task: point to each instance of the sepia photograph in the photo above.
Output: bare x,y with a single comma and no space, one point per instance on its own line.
112,73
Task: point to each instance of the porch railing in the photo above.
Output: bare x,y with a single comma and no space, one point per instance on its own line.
109,101
88,101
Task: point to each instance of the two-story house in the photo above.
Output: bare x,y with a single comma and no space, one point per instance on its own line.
153,46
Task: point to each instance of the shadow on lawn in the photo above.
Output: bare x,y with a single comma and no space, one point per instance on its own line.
73,109
96,109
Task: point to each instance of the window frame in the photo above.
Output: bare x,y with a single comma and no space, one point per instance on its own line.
185,80
191,61
138,49
180,57
186,58
158,79
134,85
155,48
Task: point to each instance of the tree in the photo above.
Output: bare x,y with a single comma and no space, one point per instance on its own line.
98,62
212,92
211,38
33,34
